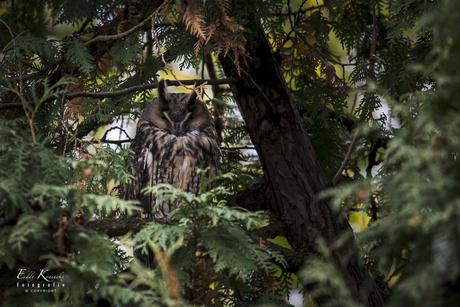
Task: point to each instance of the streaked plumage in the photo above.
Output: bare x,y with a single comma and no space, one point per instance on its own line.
174,136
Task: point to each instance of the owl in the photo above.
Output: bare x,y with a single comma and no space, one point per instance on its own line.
175,135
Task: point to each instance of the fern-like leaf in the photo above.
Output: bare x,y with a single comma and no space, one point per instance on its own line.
78,54
194,19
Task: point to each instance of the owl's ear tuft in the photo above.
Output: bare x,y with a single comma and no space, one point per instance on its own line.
162,92
193,96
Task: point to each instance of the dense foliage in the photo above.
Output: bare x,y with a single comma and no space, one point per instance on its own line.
69,69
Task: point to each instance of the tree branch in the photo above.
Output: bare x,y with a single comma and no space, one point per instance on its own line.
311,8
126,91
144,87
121,226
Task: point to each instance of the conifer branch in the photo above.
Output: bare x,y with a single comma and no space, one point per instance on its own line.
295,259
105,38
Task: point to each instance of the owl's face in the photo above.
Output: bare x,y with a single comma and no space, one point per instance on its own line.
177,114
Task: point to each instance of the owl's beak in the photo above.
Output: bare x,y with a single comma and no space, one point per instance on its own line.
177,129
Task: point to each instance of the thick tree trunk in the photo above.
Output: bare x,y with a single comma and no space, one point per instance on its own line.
292,171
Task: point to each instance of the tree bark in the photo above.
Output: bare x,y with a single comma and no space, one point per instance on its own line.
293,174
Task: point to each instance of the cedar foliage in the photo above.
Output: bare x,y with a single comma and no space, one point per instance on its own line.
58,87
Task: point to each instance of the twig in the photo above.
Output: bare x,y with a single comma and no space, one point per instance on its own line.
13,39
104,137
83,26
345,161
30,118
130,31
237,148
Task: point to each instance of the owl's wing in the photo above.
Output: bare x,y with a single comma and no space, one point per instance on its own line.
144,147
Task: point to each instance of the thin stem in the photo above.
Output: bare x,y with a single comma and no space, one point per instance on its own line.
345,161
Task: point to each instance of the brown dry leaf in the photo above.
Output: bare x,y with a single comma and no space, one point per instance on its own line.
223,5
194,20
211,29
198,45
261,243
231,24
179,9
329,70
270,284
72,109
167,10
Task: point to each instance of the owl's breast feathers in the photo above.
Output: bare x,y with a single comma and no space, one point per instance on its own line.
161,157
